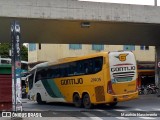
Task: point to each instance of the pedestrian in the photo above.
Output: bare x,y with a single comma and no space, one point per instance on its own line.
158,93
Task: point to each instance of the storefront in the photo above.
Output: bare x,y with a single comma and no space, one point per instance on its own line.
146,73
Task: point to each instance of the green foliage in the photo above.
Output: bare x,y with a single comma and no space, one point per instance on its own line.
24,53
4,51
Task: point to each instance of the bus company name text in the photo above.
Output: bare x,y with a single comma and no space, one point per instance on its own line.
120,69
72,81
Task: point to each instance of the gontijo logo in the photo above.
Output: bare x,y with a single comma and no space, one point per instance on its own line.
122,57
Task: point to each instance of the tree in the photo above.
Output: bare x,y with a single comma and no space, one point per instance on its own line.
4,51
24,53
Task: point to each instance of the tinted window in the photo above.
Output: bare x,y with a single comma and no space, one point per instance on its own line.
5,62
72,69
81,67
24,66
98,62
64,70
42,74
53,72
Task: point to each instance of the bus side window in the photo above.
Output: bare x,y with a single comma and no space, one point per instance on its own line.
43,74
49,74
80,67
98,64
56,71
64,70
88,66
52,72
72,69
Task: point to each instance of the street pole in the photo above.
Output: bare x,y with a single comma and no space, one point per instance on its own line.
155,2
16,67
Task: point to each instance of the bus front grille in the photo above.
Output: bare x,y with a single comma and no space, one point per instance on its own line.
99,90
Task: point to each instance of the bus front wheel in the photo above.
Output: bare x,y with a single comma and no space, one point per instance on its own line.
39,99
77,100
87,102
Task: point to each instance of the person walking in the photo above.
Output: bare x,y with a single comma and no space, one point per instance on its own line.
158,93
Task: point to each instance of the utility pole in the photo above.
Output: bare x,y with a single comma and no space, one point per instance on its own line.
16,67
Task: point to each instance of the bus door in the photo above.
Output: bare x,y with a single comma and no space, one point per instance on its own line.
31,87
123,72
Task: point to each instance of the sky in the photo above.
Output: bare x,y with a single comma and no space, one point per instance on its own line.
139,2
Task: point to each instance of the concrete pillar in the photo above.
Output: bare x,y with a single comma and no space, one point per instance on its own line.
155,2
157,67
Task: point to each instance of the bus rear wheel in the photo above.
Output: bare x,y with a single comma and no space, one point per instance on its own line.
87,102
77,100
113,104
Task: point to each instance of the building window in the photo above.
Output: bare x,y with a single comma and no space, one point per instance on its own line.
75,46
32,46
129,47
98,47
143,47
39,46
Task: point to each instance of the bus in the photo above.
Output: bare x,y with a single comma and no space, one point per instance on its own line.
24,64
5,60
100,78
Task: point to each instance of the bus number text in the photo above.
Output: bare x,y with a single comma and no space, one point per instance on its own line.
95,79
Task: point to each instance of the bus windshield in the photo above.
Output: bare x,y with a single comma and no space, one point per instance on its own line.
122,67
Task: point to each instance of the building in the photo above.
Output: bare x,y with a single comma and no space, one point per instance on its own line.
145,55
52,52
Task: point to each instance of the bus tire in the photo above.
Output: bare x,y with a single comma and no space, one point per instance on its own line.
77,100
87,102
39,99
113,104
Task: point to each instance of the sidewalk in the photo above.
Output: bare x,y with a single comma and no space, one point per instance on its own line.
149,96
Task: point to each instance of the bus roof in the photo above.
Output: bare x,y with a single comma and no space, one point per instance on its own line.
71,59
5,58
40,65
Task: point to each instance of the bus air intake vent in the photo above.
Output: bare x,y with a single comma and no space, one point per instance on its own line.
99,90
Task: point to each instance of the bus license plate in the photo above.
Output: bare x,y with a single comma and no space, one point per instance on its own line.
125,96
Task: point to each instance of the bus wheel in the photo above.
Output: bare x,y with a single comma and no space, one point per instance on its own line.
39,100
77,100
113,104
87,102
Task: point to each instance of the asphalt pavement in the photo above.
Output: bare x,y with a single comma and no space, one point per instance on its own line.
144,105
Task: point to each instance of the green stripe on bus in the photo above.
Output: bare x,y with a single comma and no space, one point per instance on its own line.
54,88
51,88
